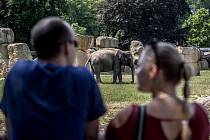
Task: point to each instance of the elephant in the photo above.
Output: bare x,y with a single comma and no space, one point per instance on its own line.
110,59
208,60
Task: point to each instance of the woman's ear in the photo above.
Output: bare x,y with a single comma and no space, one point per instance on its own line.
153,71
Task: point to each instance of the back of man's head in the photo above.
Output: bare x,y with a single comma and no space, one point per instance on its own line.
48,35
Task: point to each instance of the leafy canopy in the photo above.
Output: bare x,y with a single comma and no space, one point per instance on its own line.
144,19
22,15
199,28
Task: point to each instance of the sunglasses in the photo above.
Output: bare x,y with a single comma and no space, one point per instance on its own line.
73,42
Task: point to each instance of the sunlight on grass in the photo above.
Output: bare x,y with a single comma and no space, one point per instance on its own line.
117,96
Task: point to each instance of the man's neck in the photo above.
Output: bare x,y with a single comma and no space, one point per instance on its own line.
57,61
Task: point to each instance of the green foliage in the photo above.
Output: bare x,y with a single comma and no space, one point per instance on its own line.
78,29
118,96
22,15
145,19
84,13
199,27
3,12
120,34
206,4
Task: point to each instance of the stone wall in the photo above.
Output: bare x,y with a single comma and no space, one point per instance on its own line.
191,56
4,59
6,38
107,42
204,64
18,51
205,60
85,42
81,58
10,53
136,49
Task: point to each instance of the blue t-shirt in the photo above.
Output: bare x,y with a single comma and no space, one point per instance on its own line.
50,102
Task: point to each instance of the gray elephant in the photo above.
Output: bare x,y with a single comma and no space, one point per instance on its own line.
208,60
110,59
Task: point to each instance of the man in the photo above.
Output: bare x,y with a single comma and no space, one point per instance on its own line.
49,99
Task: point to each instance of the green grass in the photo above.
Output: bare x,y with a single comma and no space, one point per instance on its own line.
120,95
117,96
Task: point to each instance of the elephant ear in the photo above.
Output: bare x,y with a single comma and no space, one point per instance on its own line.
119,54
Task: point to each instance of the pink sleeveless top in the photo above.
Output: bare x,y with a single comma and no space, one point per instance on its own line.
199,125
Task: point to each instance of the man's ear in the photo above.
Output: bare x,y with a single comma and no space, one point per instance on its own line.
65,49
153,71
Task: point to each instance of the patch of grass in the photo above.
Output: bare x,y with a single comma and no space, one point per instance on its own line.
117,96
200,85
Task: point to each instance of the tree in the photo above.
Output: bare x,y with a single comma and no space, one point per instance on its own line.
78,29
3,11
21,15
83,13
197,4
145,19
206,4
198,25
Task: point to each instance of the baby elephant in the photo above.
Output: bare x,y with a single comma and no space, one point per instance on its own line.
110,59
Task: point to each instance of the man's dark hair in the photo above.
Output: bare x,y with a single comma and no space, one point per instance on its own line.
49,34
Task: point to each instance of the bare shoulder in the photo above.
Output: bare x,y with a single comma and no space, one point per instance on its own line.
122,117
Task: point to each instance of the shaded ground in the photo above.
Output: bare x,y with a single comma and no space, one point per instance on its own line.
118,96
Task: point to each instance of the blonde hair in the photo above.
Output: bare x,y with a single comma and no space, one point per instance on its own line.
175,69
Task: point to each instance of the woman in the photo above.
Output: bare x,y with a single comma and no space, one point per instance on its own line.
166,117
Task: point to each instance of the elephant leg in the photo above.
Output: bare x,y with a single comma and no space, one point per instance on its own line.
116,69
123,68
132,70
115,77
120,76
97,73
